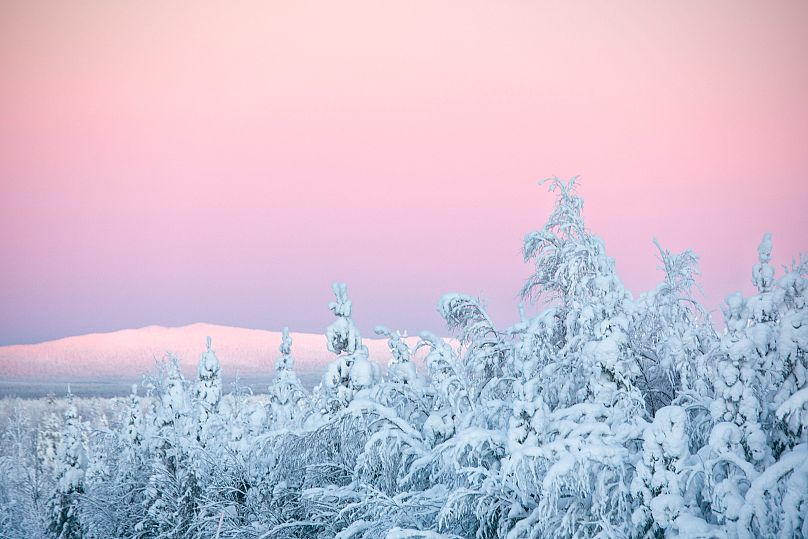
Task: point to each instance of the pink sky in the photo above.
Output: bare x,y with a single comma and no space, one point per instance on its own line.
169,162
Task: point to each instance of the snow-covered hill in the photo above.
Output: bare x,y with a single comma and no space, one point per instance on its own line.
132,352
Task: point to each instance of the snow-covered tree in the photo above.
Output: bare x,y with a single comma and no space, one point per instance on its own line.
133,432
286,393
739,384
48,435
579,410
403,390
775,504
671,334
207,393
401,368
71,463
351,371
790,402
594,359
342,336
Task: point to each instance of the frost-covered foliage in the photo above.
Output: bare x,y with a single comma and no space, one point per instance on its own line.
351,371
208,393
286,394
401,368
601,415
71,464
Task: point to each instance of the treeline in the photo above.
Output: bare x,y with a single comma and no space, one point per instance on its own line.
602,416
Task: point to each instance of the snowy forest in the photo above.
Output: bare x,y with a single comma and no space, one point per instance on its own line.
604,415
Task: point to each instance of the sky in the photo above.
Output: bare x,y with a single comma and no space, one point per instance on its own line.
177,162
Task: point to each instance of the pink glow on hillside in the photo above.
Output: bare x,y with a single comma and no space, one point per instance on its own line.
168,163
133,352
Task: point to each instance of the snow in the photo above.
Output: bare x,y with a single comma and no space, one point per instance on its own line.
600,416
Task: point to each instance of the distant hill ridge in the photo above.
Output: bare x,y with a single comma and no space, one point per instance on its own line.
131,352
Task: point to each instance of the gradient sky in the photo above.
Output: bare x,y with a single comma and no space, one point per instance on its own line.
174,162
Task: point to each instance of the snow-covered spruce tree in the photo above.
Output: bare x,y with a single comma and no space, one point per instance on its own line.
171,493
757,357
776,501
750,346
71,463
777,339
351,371
48,435
28,469
765,311
286,393
790,403
739,384
207,394
579,413
342,336
133,433
287,361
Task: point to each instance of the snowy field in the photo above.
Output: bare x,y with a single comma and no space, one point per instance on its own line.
604,415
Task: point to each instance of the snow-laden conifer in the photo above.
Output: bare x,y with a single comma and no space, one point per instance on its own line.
71,464
286,393
351,370
207,393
